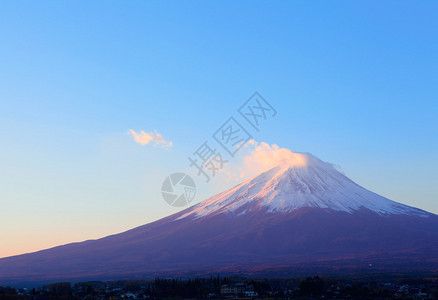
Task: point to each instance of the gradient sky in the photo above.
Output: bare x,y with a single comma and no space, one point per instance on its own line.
354,83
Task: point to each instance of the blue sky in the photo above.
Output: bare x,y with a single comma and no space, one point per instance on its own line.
354,83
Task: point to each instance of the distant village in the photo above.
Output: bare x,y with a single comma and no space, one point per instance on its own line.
234,288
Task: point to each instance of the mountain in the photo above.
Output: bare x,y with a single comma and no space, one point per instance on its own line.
299,217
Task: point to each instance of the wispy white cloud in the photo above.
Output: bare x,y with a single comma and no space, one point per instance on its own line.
144,138
256,157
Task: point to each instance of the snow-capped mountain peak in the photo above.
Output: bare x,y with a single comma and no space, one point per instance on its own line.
296,181
300,215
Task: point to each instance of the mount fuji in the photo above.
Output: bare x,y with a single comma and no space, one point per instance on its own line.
299,217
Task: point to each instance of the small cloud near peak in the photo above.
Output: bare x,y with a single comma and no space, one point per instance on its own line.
265,156
256,157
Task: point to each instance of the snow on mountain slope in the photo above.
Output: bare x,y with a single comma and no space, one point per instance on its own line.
299,180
